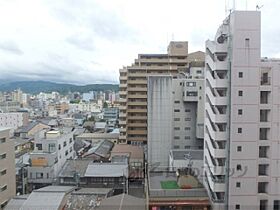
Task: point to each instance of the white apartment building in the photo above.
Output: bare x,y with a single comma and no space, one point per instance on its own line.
13,120
7,168
242,145
85,107
49,155
175,114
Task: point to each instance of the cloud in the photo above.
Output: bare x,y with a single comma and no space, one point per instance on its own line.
11,47
87,41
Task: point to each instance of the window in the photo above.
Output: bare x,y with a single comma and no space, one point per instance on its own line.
190,84
176,137
276,205
247,42
191,93
240,74
176,119
238,184
39,175
59,147
39,146
263,151
240,111
64,144
176,110
239,148
2,140
240,93
66,152
187,119
176,128
263,205
187,147
70,141
263,169
237,206
187,137
238,167
264,133
3,156
3,188
239,130
187,110
176,102
176,147
262,187
187,128
52,147
3,172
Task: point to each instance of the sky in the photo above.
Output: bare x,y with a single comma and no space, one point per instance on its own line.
88,41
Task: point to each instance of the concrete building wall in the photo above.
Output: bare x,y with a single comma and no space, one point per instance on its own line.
13,120
242,117
7,168
159,119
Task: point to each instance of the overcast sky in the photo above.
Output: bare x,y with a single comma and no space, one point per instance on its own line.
87,41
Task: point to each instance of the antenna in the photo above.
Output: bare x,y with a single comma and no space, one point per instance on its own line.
258,7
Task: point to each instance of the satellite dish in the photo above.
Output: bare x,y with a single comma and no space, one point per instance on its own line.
221,39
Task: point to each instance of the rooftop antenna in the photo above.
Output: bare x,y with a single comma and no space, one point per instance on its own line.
258,7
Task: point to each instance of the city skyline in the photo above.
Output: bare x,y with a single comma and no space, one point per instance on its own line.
88,42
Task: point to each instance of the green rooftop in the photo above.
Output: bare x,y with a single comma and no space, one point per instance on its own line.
169,185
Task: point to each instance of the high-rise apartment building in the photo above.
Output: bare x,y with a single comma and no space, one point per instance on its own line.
242,145
133,87
7,168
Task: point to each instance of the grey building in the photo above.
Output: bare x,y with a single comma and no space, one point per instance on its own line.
241,152
175,114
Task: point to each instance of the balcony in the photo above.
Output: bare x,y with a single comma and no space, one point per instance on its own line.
139,89
216,83
137,96
137,132
216,184
213,148
136,82
122,92
137,117
137,103
216,135
216,100
216,118
123,85
137,110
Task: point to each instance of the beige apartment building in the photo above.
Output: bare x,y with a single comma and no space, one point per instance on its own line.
133,87
242,146
7,168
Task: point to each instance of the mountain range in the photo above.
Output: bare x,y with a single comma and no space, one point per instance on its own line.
35,87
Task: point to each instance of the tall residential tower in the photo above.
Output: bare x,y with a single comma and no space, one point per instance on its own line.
242,145
133,87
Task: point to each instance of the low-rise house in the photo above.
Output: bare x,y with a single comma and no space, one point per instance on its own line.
95,137
86,173
31,129
135,157
46,198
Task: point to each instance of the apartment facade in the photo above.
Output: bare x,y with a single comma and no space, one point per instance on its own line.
13,120
49,155
175,114
241,151
7,168
133,87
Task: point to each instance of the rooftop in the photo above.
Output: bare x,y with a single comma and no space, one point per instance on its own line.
187,154
134,152
123,202
107,170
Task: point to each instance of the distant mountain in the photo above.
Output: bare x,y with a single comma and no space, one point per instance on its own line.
35,87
